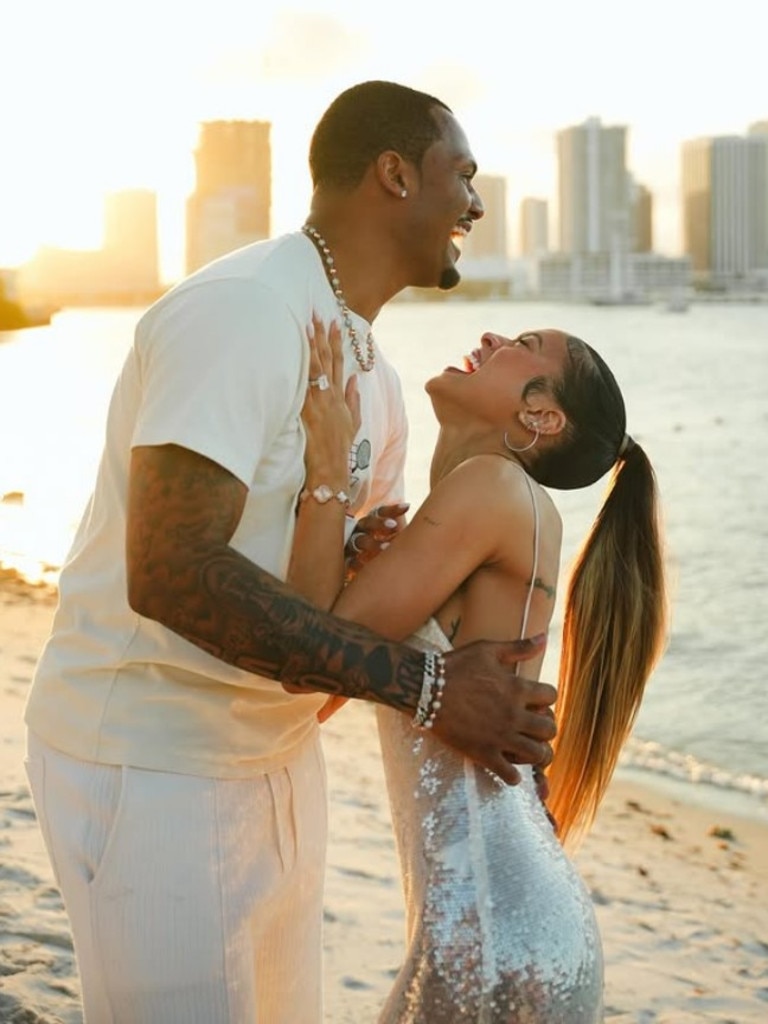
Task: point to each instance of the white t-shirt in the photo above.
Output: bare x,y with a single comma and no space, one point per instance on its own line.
219,365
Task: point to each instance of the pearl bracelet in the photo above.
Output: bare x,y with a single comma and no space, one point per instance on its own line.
430,700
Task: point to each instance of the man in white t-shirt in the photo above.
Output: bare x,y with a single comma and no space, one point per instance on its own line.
179,786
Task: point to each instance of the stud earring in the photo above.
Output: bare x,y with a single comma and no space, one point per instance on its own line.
404,194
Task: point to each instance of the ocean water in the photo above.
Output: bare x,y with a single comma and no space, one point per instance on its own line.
695,385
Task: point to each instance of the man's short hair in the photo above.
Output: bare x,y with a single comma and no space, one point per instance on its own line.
366,120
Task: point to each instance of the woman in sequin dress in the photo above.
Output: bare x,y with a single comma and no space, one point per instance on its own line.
500,927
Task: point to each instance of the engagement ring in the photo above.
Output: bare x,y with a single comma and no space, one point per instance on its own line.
321,382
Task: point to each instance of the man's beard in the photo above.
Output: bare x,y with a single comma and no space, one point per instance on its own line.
449,278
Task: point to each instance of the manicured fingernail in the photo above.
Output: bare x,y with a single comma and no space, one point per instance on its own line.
384,546
390,523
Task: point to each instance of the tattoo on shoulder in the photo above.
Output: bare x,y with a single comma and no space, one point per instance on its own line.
540,584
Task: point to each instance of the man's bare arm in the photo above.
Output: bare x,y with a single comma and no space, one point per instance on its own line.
183,510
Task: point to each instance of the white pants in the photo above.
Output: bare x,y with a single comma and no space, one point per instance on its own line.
191,900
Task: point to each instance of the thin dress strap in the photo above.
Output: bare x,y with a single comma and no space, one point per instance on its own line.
535,568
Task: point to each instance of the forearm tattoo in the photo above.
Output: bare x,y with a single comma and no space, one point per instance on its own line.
183,508
262,626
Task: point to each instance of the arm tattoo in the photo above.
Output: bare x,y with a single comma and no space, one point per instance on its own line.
261,626
184,573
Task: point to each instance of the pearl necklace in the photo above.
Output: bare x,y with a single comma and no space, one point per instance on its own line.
365,363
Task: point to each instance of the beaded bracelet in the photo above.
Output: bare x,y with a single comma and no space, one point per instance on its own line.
430,700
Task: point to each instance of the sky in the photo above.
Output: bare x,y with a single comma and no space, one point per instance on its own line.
99,95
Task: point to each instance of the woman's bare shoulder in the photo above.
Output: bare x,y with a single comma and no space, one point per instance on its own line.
504,480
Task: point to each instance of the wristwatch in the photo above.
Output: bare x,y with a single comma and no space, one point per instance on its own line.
323,494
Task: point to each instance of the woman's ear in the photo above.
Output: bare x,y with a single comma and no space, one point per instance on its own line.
548,420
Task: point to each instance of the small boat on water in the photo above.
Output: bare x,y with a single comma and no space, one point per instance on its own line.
620,299
677,304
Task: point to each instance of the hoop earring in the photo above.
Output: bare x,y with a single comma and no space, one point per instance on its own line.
526,448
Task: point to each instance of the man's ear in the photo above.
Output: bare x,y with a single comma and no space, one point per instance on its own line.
394,173
548,420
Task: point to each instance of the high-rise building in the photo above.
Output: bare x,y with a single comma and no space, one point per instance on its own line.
758,132
593,188
488,237
534,226
232,201
605,224
696,184
725,206
485,265
641,218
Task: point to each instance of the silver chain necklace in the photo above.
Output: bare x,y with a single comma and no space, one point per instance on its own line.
366,362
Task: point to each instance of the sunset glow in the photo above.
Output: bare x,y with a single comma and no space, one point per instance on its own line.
105,95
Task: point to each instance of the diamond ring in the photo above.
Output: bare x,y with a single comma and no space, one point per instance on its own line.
320,382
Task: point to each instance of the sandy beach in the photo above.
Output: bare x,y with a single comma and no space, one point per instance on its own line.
681,892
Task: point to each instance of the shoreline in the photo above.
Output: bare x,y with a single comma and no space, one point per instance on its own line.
718,800
679,889
711,799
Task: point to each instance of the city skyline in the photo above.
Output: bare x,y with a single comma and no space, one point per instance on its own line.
605,251
123,111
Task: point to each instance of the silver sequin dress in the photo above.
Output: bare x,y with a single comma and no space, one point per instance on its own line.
500,926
